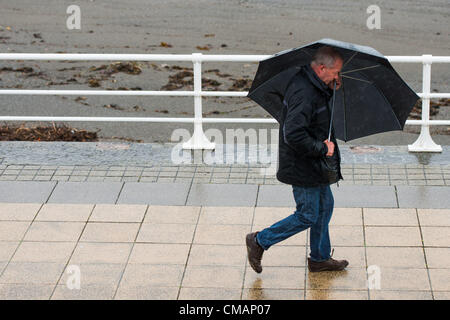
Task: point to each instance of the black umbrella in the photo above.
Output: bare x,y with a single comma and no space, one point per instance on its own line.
372,98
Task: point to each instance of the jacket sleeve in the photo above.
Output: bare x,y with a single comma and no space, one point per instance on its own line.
297,120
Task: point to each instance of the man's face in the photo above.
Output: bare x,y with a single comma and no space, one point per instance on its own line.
328,74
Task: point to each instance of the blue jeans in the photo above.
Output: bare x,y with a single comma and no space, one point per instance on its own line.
314,209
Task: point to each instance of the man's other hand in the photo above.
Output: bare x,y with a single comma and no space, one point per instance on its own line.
330,146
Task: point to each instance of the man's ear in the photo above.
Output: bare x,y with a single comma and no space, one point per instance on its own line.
322,68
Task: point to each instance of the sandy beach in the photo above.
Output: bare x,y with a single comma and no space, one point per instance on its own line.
210,27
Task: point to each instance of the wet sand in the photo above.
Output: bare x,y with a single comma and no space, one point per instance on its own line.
210,27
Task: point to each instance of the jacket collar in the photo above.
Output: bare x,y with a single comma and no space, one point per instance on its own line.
315,80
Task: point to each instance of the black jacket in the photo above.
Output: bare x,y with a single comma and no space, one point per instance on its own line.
304,127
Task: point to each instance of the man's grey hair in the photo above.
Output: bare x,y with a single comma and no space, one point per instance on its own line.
327,56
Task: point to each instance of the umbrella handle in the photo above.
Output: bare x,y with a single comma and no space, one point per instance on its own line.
332,110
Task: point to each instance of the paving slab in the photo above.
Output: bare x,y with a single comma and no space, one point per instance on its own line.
275,196
364,196
423,197
28,291
206,194
86,192
18,211
25,192
344,196
222,195
202,255
154,193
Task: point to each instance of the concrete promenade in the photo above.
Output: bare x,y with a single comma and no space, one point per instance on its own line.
142,227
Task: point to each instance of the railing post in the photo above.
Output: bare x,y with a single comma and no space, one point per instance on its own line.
425,143
198,139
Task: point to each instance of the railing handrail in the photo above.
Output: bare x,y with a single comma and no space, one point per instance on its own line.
183,57
199,140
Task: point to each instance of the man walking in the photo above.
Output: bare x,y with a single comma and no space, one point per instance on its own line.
303,140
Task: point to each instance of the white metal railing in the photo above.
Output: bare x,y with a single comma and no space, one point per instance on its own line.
198,140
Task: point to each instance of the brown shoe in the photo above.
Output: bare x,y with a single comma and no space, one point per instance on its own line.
328,265
254,252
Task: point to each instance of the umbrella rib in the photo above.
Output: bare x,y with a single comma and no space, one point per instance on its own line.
350,59
392,109
345,111
306,52
357,79
354,70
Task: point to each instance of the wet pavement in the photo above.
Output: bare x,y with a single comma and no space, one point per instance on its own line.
113,221
167,163
124,154
126,251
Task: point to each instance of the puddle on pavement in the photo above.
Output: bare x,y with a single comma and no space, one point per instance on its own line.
257,292
423,157
112,146
364,149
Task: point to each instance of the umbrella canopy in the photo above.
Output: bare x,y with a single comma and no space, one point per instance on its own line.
372,98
